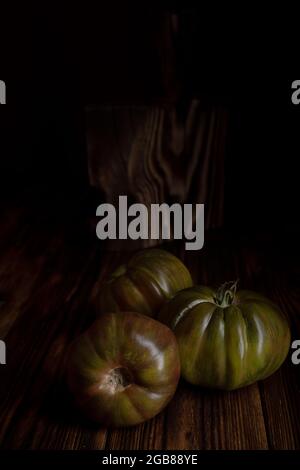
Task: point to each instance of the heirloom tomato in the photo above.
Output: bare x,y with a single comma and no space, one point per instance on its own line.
124,369
143,285
227,339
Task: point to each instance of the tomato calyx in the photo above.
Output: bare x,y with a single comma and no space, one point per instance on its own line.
225,295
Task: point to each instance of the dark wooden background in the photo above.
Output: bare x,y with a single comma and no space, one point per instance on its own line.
158,155
212,135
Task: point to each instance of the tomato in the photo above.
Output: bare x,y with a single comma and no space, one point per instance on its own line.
227,339
124,369
150,278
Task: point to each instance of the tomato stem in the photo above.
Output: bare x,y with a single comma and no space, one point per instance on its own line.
226,293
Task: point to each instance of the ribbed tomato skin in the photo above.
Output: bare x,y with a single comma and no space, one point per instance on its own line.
149,279
227,347
124,370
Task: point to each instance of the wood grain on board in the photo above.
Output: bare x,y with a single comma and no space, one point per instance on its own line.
159,154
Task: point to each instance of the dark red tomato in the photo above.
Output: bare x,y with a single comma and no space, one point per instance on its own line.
143,285
124,369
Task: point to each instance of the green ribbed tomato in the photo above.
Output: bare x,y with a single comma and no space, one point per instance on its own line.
227,339
145,283
124,369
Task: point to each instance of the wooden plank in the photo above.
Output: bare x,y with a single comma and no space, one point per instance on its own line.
281,392
21,266
149,435
156,154
206,419
37,341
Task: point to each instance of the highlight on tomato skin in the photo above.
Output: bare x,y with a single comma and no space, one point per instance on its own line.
227,338
145,283
124,369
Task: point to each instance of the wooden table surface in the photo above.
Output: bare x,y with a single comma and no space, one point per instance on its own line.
51,268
